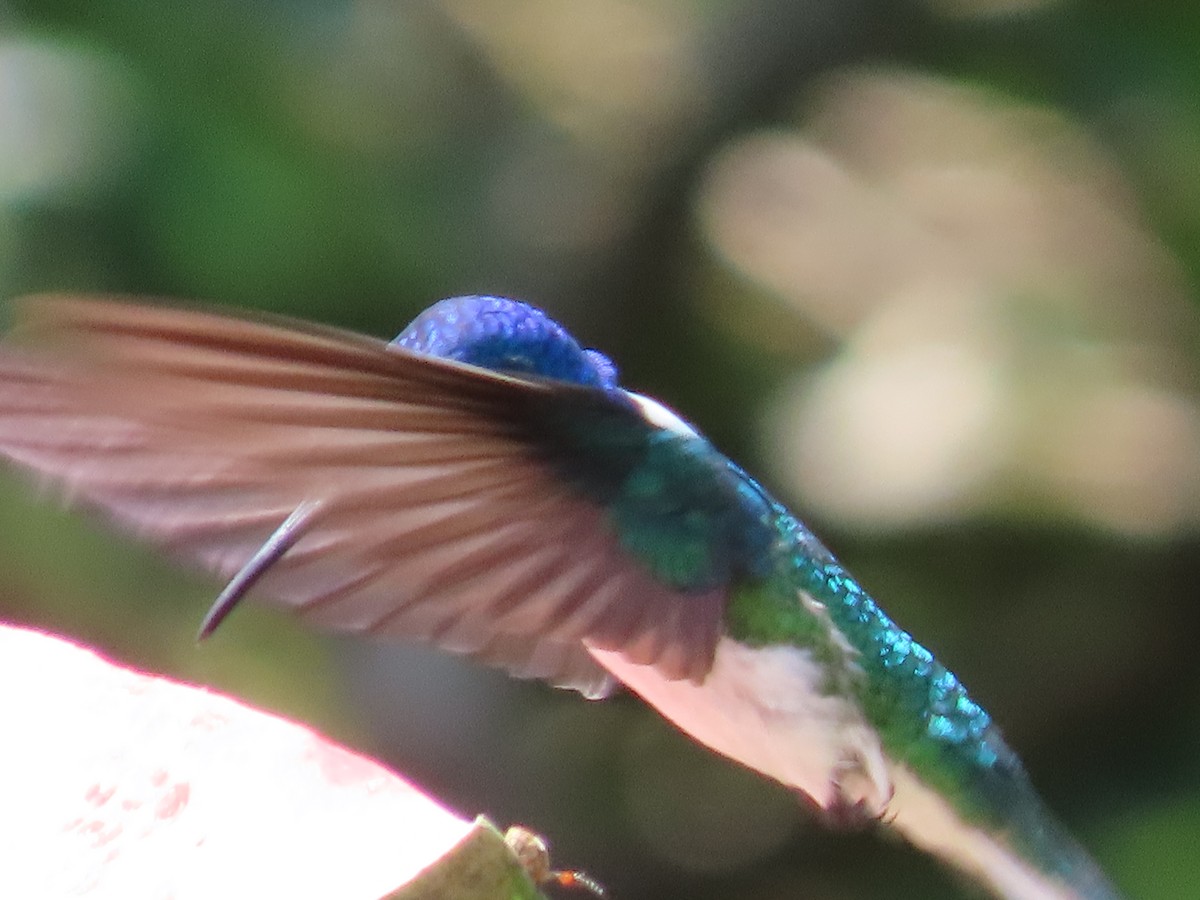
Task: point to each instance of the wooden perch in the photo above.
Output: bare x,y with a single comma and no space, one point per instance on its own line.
115,783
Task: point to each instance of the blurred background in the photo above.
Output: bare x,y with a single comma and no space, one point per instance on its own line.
927,267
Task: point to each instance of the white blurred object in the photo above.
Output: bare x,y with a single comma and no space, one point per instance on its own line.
1013,337
66,120
908,423
607,72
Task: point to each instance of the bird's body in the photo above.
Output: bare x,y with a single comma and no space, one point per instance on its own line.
484,483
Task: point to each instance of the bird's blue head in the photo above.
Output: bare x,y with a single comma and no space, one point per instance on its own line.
506,336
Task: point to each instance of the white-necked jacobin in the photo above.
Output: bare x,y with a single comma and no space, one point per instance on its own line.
483,482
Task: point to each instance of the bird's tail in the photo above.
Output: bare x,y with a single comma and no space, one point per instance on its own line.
1022,853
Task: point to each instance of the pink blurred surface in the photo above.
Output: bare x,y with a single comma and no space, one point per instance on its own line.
115,783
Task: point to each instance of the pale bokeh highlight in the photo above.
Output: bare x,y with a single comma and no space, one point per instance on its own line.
1012,337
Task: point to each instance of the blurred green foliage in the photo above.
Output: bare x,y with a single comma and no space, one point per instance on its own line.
351,161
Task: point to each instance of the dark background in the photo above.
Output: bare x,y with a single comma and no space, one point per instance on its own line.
926,268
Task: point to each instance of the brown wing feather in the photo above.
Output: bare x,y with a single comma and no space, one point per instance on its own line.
437,515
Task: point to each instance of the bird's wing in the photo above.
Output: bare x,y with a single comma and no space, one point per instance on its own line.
435,496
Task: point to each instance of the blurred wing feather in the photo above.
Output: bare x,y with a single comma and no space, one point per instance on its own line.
438,515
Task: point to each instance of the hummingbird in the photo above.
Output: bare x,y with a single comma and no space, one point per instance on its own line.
484,483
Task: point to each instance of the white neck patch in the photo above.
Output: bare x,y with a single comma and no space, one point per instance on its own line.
661,417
